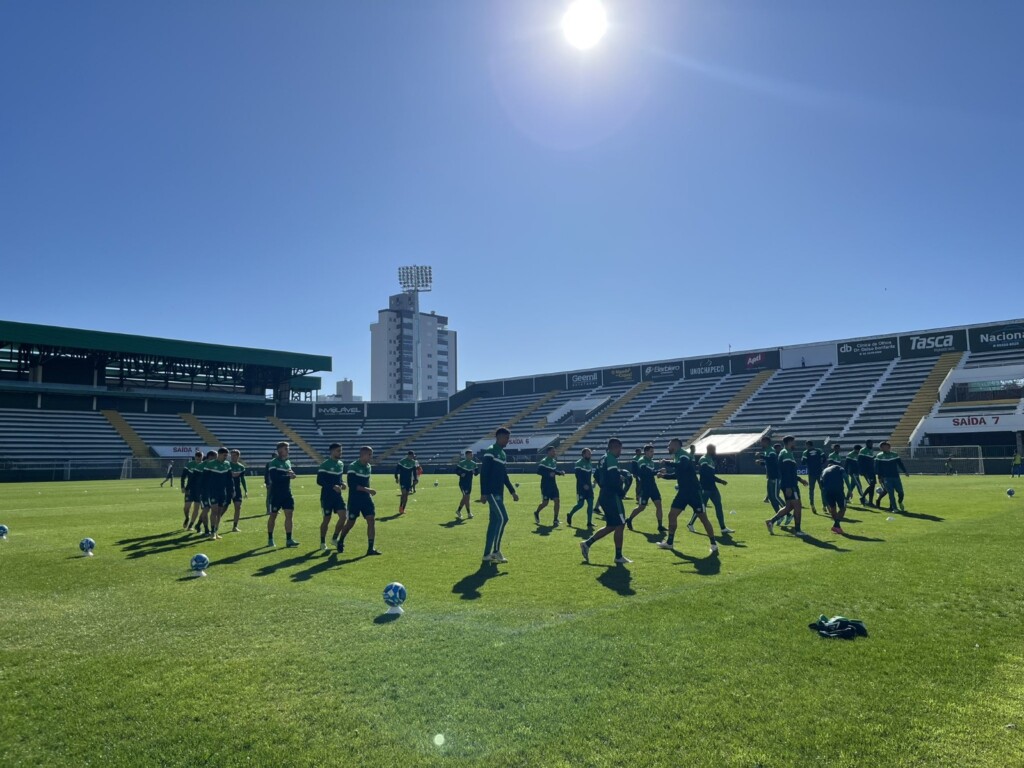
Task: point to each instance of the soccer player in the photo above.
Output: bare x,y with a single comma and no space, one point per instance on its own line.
852,467
647,488
239,489
769,459
548,471
1015,465
360,500
267,479
465,469
814,459
584,472
406,476
190,489
790,482
888,465
833,491
328,477
169,477
709,481
218,492
866,466
687,495
205,478
613,488
493,482
634,471
281,476
836,457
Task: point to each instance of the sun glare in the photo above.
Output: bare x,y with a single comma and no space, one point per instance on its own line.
584,23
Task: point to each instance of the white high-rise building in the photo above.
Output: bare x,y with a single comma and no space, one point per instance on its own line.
413,354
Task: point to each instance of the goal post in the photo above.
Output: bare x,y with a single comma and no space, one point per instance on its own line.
946,460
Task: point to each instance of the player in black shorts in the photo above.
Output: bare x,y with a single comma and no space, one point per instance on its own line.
549,472
814,459
239,489
360,499
218,491
866,465
190,488
688,495
647,488
613,488
584,472
833,493
329,478
281,475
634,471
707,470
790,482
407,475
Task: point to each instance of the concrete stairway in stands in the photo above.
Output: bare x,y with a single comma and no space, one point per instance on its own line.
531,409
297,439
416,436
139,448
924,399
733,405
567,444
200,429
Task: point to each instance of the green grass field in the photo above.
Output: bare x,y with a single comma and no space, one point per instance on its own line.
279,657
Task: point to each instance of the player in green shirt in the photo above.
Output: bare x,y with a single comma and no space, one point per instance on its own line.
612,490
239,489
647,491
584,472
360,500
190,489
548,471
466,469
407,475
281,500
329,478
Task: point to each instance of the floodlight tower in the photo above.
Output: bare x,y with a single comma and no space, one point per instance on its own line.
414,281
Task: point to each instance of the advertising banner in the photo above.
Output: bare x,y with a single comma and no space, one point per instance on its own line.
752,362
629,374
584,380
670,371
707,367
931,344
339,410
993,338
179,451
868,350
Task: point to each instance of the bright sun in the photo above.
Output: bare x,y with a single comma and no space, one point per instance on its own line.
584,23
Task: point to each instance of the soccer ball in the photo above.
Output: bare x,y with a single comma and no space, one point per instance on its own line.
200,562
3,531
87,546
1009,492
394,594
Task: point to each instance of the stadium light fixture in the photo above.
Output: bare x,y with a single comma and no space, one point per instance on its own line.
415,278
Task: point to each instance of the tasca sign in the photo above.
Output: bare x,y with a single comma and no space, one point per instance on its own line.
867,350
707,367
587,380
752,362
930,344
628,374
339,411
993,338
663,371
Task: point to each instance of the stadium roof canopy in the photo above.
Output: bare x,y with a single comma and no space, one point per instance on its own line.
46,353
728,443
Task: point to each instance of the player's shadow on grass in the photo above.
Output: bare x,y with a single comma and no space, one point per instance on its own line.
583,533
702,566
387,618
652,538
542,530
917,516
138,541
808,539
618,579
389,517
726,540
243,556
855,537
468,587
268,570
324,564
451,524
161,547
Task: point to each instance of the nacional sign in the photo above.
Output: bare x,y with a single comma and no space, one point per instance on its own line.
993,338
670,371
867,350
707,367
930,344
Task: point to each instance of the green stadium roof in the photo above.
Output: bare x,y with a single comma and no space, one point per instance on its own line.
12,333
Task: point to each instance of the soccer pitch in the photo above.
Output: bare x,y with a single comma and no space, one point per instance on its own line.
280,657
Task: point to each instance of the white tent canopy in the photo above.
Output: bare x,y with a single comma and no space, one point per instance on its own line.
728,444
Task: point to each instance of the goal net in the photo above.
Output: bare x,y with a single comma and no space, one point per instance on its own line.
946,460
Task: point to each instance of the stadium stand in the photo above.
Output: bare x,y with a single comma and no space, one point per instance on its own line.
40,435
163,429
255,438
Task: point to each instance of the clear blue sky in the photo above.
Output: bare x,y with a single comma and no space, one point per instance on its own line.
712,173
